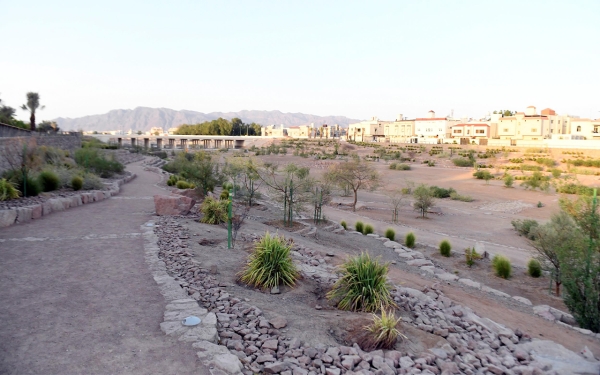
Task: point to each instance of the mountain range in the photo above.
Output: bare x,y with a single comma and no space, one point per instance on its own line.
144,118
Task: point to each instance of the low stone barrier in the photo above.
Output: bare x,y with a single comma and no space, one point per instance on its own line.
24,214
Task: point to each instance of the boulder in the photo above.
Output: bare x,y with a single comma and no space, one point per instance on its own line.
24,214
7,217
36,211
173,205
471,283
562,360
278,322
523,300
190,193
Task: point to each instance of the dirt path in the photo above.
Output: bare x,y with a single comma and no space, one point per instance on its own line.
76,295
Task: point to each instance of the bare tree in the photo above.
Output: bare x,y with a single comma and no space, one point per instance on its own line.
355,174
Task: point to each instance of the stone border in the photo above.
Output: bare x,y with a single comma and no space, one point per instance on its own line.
179,306
24,214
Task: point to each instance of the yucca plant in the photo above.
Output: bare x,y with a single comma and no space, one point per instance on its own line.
390,234
215,211
359,225
410,240
8,190
368,229
383,331
534,268
363,285
471,256
502,266
344,225
445,248
270,264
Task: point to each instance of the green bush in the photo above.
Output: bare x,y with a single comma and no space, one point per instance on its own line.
344,225
359,226
390,234
182,185
462,162
31,185
224,195
48,181
471,256
363,285
215,211
383,332
8,190
501,266
508,180
410,240
393,165
270,264
463,198
438,192
483,175
445,248
77,183
534,268
368,229
92,160
525,227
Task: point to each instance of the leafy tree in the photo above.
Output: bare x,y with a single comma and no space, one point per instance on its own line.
220,126
423,199
7,117
536,180
356,175
32,105
244,171
47,126
397,199
505,112
202,170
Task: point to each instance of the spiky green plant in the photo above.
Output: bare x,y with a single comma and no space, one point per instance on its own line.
471,256
48,181
534,268
383,331
344,225
502,266
8,190
77,183
445,248
368,229
363,285
359,226
270,264
410,240
215,211
390,234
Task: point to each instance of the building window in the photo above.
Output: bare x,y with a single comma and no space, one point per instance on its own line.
596,129
505,130
579,128
457,131
479,131
533,130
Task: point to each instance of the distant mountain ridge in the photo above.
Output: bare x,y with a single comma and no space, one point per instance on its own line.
144,118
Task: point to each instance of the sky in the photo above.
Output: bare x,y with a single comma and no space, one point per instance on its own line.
351,58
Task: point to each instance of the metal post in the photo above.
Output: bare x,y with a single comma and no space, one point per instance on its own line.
24,170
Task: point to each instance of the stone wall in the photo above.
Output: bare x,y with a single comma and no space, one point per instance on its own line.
10,145
13,131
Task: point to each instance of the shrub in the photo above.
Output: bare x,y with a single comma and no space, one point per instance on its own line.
92,160
169,182
28,188
390,234
508,180
393,165
410,240
49,181
402,167
77,183
383,332
368,229
8,190
270,264
462,162
463,198
359,226
525,227
534,268
471,256
483,175
224,195
215,211
344,225
501,266
445,248
363,285
182,185
556,172
92,182
438,192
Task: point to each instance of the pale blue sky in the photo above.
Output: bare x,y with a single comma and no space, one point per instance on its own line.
356,59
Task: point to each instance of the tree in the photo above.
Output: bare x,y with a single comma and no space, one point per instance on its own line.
356,175
423,199
581,264
245,172
32,105
47,126
397,198
202,170
552,239
505,112
139,132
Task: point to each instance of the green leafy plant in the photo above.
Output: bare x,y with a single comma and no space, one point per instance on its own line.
461,162
471,256
390,234
28,186
92,160
525,227
182,185
534,268
463,198
77,183
363,285
359,226
383,331
224,195
368,229
445,248
540,204
508,180
344,225
8,190
215,211
410,240
48,181
270,264
501,266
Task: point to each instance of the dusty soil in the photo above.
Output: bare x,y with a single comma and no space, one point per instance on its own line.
326,325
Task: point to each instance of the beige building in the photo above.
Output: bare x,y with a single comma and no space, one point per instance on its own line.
432,129
524,125
372,130
584,128
273,131
473,130
399,131
156,130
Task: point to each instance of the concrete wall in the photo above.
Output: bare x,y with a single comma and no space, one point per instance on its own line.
12,131
10,145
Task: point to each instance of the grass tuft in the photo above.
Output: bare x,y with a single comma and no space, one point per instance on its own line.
344,225
410,240
390,234
445,248
215,211
368,229
359,226
383,331
534,268
502,266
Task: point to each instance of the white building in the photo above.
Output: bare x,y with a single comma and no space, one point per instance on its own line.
372,130
432,129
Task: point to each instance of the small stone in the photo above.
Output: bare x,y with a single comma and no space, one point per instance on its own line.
318,307
270,344
330,254
278,322
275,290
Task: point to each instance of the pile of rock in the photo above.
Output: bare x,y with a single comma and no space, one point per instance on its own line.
474,345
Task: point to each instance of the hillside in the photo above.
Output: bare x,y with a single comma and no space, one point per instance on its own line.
143,118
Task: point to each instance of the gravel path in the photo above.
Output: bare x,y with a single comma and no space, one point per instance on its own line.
76,295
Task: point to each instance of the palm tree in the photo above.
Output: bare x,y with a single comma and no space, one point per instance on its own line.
33,103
